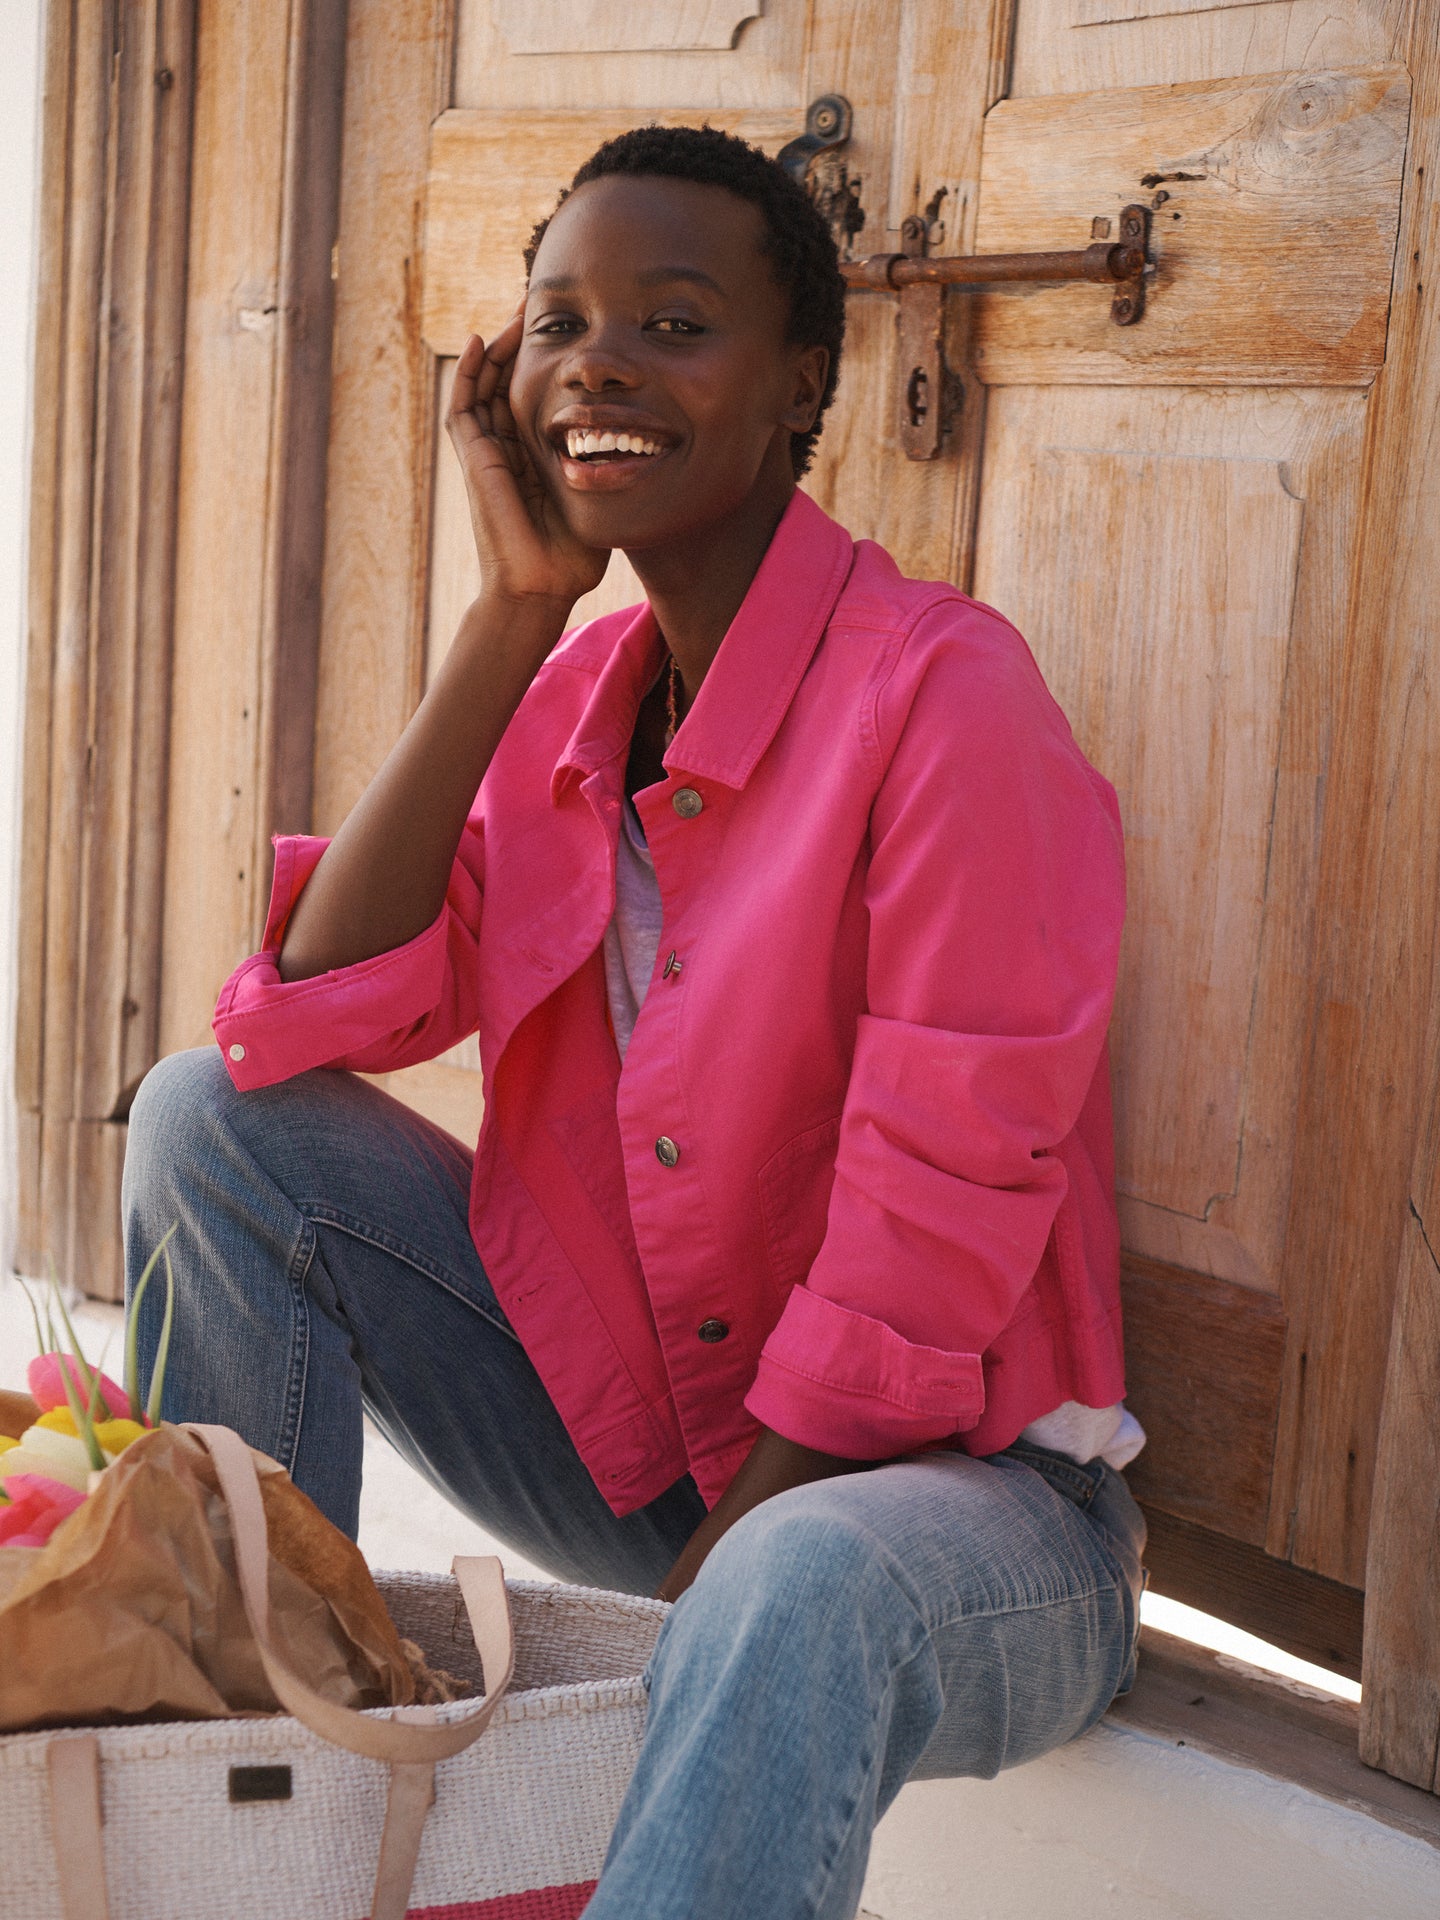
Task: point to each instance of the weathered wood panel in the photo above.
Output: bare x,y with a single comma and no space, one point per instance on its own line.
70,237
923,123
383,442
1274,236
1401,1726
1075,46
1177,561
1361,1103
382,447
295,539
265,162
1202,1376
116,130
1314,1618
613,54
637,26
1370,1049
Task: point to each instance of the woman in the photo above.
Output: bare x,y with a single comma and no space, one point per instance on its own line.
784,1278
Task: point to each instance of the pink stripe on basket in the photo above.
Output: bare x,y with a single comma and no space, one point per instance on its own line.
541,1903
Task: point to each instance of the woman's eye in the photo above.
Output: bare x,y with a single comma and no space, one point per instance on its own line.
557,323
676,323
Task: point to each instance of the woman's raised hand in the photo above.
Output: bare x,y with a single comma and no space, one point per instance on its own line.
526,550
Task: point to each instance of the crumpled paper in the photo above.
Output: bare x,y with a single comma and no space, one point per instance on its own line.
132,1610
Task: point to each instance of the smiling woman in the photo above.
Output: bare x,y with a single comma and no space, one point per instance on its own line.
783,1277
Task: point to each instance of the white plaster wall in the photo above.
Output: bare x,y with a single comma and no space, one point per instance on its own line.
19,157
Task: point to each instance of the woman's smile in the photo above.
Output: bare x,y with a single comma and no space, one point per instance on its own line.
602,449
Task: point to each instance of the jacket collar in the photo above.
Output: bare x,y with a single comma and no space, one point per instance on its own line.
753,677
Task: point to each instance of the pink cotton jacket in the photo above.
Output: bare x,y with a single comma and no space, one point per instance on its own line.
873,1046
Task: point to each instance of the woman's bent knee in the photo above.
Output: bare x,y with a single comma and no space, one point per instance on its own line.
178,1096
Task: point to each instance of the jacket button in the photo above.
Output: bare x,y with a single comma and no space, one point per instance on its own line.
687,803
237,1052
713,1330
673,964
666,1151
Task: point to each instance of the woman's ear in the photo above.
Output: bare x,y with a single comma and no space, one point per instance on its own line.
811,367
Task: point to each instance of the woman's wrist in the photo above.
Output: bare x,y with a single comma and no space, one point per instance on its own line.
514,633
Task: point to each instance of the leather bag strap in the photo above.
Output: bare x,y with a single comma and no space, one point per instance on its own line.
406,1737
411,1796
72,1761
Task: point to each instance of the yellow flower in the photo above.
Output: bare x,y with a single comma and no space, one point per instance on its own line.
6,1443
59,1420
115,1435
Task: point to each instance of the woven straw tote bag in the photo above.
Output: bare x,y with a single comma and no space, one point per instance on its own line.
324,1813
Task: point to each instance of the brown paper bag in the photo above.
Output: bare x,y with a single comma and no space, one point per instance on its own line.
131,1611
17,1412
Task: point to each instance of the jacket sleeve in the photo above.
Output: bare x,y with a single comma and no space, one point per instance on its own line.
996,897
392,1011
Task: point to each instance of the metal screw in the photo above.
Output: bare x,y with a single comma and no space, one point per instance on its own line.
1160,199
1124,308
826,119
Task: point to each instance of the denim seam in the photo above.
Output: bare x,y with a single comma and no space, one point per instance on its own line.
882,1707
299,1371
388,1243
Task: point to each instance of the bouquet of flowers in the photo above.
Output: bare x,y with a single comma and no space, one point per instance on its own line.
119,1587
84,1421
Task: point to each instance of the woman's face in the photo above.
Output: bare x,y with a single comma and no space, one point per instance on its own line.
653,314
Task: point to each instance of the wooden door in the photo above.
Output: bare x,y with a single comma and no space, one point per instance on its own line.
1173,512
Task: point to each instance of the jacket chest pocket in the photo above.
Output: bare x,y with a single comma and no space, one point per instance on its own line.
795,1185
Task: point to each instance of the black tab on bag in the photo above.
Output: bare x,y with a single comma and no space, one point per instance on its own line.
259,1783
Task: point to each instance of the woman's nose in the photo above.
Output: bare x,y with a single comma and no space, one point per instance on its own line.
599,359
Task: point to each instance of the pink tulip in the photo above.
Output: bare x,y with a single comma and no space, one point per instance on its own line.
47,1388
37,1506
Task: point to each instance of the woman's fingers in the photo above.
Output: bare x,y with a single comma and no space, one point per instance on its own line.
463,389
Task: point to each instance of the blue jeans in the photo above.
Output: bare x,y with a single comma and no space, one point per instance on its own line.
933,1616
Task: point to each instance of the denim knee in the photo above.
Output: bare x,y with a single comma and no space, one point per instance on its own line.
801,1570
179,1098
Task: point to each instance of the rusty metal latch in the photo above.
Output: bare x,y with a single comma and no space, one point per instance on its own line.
920,279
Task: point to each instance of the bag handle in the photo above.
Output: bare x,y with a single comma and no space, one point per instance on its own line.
482,1586
73,1763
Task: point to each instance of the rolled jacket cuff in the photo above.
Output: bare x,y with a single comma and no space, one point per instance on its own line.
270,1029
843,1383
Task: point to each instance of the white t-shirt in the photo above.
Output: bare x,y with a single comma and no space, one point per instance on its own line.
632,940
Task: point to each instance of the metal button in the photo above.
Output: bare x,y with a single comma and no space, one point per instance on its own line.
713,1330
687,803
673,964
666,1151
237,1052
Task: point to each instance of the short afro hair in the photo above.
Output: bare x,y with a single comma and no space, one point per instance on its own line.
798,242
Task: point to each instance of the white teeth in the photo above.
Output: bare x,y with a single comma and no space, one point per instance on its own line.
583,441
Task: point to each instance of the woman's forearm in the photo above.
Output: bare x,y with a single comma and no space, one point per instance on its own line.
773,1465
382,880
